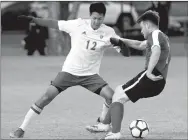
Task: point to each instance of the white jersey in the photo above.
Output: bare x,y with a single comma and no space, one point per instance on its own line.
87,46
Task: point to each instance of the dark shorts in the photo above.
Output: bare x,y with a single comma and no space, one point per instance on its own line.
64,80
143,87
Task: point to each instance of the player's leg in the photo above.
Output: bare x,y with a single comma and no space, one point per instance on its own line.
97,85
41,50
31,49
114,115
39,105
61,83
107,93
35,110
137,88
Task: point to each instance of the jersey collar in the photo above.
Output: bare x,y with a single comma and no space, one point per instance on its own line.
92,28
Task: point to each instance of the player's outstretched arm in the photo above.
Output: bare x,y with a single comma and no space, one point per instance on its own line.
42,22
139,45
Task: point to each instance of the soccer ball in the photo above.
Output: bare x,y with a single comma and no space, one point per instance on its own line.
139,128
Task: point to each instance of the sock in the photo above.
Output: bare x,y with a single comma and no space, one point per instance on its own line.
117,112
105,109
107,119
32,113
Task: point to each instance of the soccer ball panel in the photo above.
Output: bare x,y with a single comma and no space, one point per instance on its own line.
145,133
133,124
141,124
135,132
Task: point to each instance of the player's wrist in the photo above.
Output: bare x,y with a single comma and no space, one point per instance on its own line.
115,41
148,72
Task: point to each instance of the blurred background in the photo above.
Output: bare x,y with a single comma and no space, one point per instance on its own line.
18,37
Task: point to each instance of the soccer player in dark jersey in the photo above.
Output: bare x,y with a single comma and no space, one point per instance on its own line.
148,83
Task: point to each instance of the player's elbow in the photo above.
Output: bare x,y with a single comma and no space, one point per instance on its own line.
143,45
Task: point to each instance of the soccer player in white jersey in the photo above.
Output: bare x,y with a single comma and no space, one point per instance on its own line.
148,83
89,39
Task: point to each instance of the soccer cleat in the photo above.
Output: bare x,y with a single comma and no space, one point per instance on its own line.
98,128
114,136
19,133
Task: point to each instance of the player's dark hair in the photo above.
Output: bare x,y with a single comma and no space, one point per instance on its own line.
150,15
98,7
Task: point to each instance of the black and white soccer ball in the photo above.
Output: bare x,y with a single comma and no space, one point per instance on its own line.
139,128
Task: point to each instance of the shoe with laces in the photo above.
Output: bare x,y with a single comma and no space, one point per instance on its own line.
100,127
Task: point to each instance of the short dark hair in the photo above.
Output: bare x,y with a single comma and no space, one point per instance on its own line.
150,15
98,7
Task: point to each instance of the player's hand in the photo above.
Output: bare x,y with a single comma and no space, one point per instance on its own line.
115,41
153,77
29,18
124,49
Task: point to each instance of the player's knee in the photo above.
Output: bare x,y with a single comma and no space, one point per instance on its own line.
108,100
118,89
107,93
119,95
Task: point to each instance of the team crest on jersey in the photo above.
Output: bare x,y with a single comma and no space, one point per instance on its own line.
101,36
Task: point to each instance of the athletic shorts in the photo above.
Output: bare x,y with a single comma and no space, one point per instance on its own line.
64,80
143,87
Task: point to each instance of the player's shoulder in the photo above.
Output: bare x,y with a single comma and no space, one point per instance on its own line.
158,36
82,21
107,29
158,33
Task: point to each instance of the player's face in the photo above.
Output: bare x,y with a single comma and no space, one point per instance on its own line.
96,20
144,29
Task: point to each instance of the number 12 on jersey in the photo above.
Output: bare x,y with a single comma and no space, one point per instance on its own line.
91,45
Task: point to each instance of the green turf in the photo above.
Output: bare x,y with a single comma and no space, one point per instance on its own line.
24,79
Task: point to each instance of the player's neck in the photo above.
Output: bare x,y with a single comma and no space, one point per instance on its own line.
95,29
153,29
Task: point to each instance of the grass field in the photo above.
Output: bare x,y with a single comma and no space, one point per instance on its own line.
24,79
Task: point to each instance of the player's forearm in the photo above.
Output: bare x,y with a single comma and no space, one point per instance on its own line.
154,58
46,22
132,43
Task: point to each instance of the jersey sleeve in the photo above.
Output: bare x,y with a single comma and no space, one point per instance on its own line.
69,25
155,39
114,35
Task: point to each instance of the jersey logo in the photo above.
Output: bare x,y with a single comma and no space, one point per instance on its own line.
84,33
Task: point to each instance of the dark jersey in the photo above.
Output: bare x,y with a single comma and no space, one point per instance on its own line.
37,35
160,39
